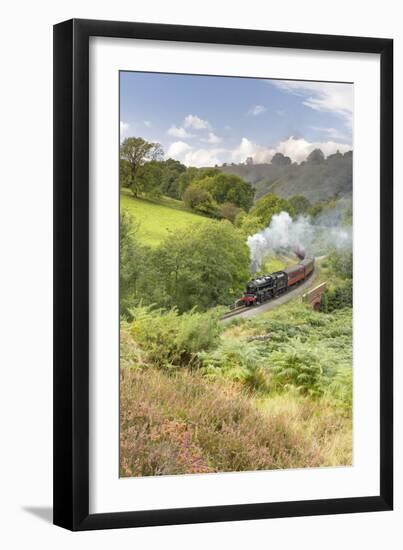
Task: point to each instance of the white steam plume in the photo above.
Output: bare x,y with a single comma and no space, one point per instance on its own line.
300,235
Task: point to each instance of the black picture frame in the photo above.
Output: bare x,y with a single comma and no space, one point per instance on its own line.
71,274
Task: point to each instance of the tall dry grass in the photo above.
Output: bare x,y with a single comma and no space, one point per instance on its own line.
183,423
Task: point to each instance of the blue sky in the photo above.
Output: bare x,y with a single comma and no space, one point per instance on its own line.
206,120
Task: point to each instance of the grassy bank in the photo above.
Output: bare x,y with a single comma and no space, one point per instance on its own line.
158,218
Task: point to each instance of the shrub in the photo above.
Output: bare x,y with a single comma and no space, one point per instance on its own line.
173,340
238,361
338,297
341,263
340,390
300,366
230,211
132,255
200,200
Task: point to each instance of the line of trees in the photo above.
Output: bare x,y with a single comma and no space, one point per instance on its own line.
207,191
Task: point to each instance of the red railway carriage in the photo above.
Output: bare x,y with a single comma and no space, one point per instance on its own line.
295,274
308,264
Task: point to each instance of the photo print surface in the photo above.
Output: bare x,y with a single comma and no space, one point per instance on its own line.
236,274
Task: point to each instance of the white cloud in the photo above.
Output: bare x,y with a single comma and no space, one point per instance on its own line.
192,156
179,132
297,149
247,148
203,157
323,96
212,138
257,110
123,129
193,121
147,123
177,149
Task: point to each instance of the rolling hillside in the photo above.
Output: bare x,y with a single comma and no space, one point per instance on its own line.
158,218
316,181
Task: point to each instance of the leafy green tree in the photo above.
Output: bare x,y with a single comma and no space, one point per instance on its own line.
225,187
149,178
192,174
132,256
341,262
124,173
261,214
201,266
300,204
200,200
229,211
170,184
186,179
267,206
249,224
137,151
338,297
316,209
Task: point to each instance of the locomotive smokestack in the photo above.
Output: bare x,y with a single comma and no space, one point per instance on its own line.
300,252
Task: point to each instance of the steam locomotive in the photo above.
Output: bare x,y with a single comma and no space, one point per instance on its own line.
270,286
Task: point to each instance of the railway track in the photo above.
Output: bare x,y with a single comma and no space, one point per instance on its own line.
234,312
251,311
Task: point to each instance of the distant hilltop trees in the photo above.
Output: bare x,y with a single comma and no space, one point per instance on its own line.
280,160
318,178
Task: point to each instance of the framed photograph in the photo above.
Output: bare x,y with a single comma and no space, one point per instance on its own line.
223,260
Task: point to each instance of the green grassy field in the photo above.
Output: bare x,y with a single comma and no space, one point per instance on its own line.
158,218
